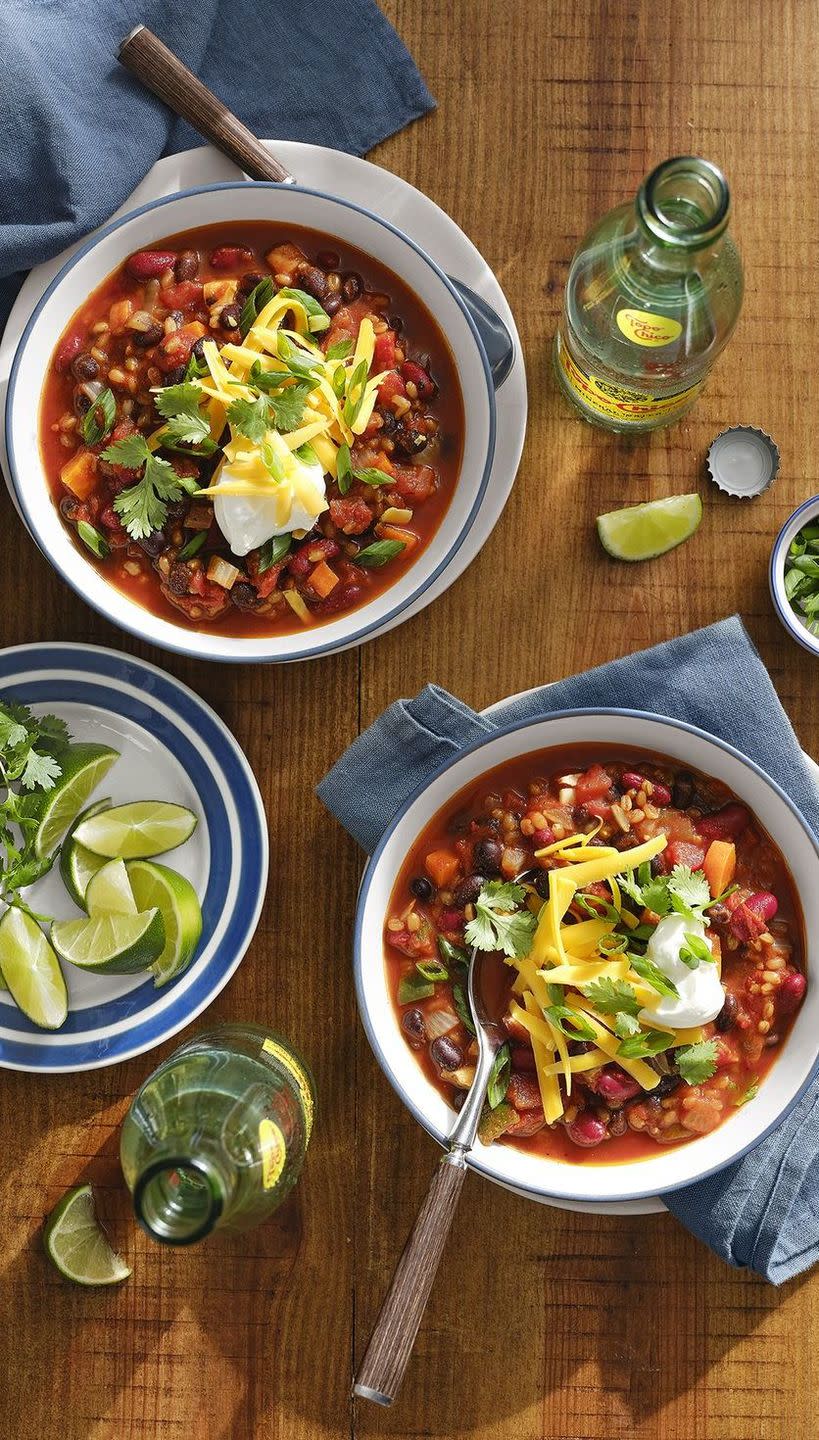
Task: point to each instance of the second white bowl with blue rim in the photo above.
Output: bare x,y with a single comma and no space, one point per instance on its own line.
806,513
172,747
285,205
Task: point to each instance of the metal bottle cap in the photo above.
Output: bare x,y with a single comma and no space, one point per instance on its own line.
743,461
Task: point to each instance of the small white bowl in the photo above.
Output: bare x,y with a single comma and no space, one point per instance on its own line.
776,574
672,1166
284,205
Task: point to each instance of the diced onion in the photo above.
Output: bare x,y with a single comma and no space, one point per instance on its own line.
221,572
436,1022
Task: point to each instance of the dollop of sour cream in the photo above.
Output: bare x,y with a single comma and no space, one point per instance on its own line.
701,996
294,503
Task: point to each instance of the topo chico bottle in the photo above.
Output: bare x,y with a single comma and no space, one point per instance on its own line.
653,295
217,1135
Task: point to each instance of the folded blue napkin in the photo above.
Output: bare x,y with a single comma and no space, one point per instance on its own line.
80,132
763,1211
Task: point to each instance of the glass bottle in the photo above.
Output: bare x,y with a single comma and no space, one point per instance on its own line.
653,295
217,1135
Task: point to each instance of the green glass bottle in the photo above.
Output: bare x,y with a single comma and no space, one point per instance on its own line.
217,1135
653,295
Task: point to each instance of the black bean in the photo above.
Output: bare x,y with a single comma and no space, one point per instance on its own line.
314,281
459,1099
657,866
682,790
332,304
84,367
178,579
69,507
187,265
422,888
541,883
243,595
396,323
249,282
718,914
144,339
198,351
580,815
727,1017
487,856
412,1024
351,287
328,259
154,543
445,1054
410,442
175,376
230,316
469,890
82,404
665,1085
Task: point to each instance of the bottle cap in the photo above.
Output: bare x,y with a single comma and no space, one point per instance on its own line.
743,461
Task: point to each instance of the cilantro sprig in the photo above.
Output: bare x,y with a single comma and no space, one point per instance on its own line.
499,922
697,1062
143,506
31,751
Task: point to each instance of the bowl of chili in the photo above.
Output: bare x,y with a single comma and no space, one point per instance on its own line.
227,343
679,1025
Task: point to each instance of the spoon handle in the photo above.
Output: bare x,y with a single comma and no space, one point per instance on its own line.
385,1360
158,68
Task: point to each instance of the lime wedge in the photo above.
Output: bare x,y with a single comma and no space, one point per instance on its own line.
82,767
109,891
639,532
155,886
138,830
78,1245
77,864
31,971
110,944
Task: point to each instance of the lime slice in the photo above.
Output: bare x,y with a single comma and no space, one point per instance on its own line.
110,944
109,891
155,886
78,1245
82,767
639,532
138,830
31,971
77,864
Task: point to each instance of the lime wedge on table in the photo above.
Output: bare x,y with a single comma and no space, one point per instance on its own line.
138,830
77,864
109,891
82,768
110,944
78,1245
155,886
639,532
31,971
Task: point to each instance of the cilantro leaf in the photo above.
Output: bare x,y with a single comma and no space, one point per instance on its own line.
288,406
184,399
131,451
611,996
40,770
697,1062
648,1042
689,886
749,1094
656,896
498,923
628,884
250,417
186,429
12,732
143,507
571,1023
625,1025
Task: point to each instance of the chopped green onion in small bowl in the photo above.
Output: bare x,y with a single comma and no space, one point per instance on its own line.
794,575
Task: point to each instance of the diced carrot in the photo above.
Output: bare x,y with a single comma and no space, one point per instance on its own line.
120,313
719,865
442,866
393,532
323,579
79,474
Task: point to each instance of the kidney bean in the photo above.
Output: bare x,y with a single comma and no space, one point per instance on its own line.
328,259
412,1024
67,351
227,257
187,265
727,1017
488,856
423,382
147,264
351,287
469,890
332,304
451,920
725,824
314,281
791,991
230,316
660,795
445,1054
763,903
523,1058
144,339
682,791
586,1130
631,780
340,598
528,1123
422,888
615,1086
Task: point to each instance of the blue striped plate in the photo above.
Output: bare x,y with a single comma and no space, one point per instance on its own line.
172,747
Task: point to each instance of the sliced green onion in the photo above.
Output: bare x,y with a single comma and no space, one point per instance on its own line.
273,551
259,296
498,1082
461,1003
93,540
452,954
432,970
379,553
193,546
99,419
344,469
570,1023
611,944
648,1042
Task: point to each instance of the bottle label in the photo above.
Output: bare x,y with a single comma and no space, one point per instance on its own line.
299,1077
616,402
274,1152
646,329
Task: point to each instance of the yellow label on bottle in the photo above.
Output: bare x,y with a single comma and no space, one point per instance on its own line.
274,1152
616,402
299,1077
646,329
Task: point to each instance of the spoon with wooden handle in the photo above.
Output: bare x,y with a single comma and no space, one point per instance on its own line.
162,72
386,1357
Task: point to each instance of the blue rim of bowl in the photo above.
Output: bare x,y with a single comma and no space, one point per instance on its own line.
789,619
96,672
356,636
539,1193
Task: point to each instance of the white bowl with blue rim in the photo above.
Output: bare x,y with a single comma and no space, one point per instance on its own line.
480,347
804,515
173,747
590,1180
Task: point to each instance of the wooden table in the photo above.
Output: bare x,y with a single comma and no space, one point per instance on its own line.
544,1325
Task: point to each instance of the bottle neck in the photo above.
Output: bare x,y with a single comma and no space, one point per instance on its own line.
682,207
179,1199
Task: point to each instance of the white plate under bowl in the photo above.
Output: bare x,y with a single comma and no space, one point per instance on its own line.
402,205
587,1183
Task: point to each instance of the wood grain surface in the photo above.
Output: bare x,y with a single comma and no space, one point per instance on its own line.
543,1325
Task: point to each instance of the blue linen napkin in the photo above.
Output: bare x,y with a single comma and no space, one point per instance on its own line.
80,132
763,1211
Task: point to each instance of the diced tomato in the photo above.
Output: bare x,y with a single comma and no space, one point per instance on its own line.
420,378
391,386
529,1123
401,940
384,351
680,852
523,1092
230,257
725,1052
451,920
414,482
523,1057
594,784
598,809
352,515
183,295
